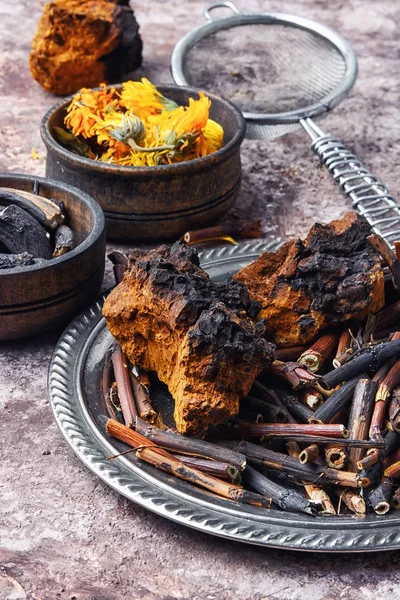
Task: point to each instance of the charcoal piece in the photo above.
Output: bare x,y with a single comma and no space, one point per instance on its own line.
20,232
10,261
334,275
170,317
64,240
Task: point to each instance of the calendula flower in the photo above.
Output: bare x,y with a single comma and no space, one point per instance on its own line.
143,98
87,108
211,138
141,127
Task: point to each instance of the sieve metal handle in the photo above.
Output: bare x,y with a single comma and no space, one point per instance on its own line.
230,5
369,196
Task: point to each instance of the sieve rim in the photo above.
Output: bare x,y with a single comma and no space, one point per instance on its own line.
329,101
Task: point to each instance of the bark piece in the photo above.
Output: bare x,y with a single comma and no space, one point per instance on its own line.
198,335
334,275
81,44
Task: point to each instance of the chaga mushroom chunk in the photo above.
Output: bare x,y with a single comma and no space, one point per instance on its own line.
332,276
198,335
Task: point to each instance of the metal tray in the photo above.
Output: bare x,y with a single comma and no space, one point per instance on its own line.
74,384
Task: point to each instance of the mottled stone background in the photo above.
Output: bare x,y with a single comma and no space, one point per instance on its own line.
63,533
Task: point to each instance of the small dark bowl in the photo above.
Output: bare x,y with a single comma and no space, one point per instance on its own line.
37,299
156,203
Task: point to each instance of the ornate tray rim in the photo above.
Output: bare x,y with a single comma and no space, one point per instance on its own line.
182,503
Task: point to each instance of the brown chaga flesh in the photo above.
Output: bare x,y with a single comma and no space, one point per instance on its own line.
306,286
82,44
198,335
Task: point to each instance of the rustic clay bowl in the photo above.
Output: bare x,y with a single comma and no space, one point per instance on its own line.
155,203
37,299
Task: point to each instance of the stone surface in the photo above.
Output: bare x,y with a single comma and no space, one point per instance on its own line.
63,533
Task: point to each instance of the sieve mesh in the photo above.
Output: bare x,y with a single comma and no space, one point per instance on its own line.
265,68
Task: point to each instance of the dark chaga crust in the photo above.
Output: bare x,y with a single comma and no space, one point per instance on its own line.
176,271
306,286
127,57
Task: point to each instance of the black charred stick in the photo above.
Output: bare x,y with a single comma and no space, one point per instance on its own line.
285,498
338,400
142,400
317,355
271,396
282,430
297,409
316,494
392,443
388,256
268,411
122,377
391,459
371,358
192,447
12,197
360,417
106,385
380,497
298,376
309,455
270,459
395,502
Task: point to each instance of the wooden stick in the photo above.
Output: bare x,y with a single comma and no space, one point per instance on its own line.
313,491
312,399
151,453
315,473
189,446
106,382
393,470
353,501
371,457
297,409
295,374
360,417
316,356
395,502
142,400
242,228
343,350
388,256
212,467
282,430
336,457
289,354
309,454
121,372
269,412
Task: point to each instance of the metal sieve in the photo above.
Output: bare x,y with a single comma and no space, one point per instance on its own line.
281,70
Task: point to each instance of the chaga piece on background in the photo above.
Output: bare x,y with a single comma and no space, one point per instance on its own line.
332,276
198,335
82,44
20,232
